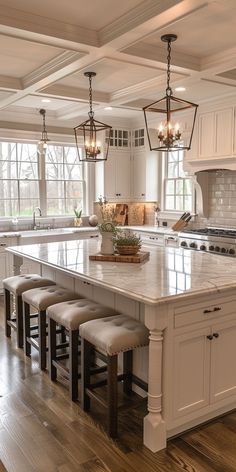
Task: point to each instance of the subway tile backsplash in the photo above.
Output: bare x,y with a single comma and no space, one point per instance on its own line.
222,198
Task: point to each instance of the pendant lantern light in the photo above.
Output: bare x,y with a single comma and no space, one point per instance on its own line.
93,133
165,115
44,137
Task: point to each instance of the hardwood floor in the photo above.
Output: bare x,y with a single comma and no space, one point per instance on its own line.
42,430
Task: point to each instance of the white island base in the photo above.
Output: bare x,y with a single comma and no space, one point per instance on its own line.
188,302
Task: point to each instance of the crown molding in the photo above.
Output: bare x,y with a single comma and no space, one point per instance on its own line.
10,83
220,61
74,93
52,66
142,88
157,54
133,18
46,26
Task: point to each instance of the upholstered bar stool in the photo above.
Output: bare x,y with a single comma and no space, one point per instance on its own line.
41,299
16,285
112,335
71,315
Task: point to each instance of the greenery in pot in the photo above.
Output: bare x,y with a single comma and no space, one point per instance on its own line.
127,243
78,212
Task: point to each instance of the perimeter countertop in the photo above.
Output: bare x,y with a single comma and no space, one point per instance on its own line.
169,274
44,232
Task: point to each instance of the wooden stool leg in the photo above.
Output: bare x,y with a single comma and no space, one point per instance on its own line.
63,335
86,349
7,309
52,348
42,340
26,323
73,364
112,395
19,321
127,370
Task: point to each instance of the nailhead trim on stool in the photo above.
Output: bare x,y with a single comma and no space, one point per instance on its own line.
111,335
71,315
41,299
17,285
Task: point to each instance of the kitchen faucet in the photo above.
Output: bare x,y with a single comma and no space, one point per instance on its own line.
40,214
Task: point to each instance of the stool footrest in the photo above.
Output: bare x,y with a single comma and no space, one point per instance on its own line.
12,324
62,345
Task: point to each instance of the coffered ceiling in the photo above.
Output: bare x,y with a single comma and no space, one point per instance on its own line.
45,48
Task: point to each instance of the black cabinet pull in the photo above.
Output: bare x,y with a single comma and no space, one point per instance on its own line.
216,308
210,337
216,335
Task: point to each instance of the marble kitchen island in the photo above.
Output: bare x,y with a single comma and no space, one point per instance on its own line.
187,299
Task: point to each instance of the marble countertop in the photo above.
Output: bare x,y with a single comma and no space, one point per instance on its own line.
169,274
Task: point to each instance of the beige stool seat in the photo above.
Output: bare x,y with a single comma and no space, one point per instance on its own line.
41,298
112,335
20,283
17,285
71,315
115,334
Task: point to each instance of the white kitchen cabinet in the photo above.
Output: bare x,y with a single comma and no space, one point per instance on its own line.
191,372
113,176
206,134
145,167
203,358
224,132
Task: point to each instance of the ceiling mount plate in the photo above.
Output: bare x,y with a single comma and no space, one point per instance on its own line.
90,74
166,38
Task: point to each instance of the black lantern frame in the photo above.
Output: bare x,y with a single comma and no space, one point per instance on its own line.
91,130
169,136
44,137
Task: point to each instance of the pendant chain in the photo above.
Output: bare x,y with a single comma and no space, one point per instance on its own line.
168,89
90,95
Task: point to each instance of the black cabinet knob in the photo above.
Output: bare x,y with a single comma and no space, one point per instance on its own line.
210,337
216,335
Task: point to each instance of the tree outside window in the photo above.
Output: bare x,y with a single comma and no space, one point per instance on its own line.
178,188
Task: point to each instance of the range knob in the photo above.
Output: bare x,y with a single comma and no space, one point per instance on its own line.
194,245
232,251
183,244
202,247
211,248
223,250
217,249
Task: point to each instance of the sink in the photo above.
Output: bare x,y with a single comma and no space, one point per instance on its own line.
45,232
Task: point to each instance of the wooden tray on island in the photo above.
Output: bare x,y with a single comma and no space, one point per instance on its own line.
139,257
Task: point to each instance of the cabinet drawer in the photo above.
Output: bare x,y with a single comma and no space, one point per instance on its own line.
190,314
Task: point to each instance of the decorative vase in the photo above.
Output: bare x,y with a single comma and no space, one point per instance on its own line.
77,221
156,219
107,243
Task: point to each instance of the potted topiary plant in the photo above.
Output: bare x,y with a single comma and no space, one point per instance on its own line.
127,243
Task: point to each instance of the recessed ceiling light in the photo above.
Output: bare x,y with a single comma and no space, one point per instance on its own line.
108,108
180,89
46,100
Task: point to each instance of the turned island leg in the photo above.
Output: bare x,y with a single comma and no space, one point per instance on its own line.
154,424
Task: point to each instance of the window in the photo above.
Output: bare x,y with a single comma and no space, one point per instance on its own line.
64,176
177,187
138,137
19,187
119,138
60,189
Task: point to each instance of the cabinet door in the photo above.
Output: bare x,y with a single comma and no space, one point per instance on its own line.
191,372
206,135
139,174
110,176
224,132
123,175
223,355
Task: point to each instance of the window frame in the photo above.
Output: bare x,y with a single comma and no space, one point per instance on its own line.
165,179
42,182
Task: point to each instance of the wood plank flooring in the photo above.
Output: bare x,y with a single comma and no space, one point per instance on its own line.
42,431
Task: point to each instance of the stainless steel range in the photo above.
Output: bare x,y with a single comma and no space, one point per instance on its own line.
215,240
